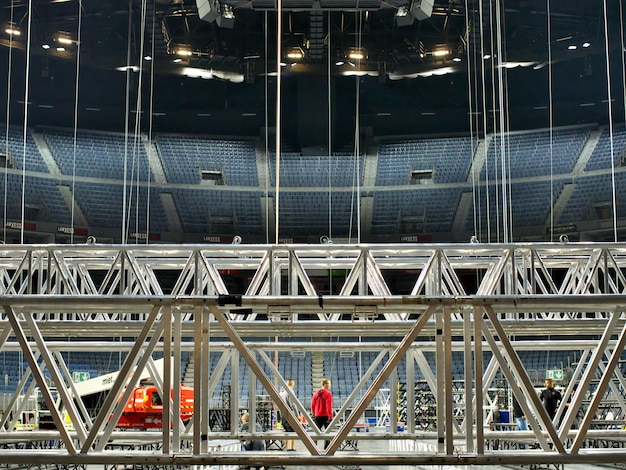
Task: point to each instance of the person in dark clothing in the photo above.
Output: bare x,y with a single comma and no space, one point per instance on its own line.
550,398
520,417
322,406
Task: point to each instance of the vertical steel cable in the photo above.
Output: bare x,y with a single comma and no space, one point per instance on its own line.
357,140
484,103
126,119
75,137
6,135
499,62
610,111
267,144
25,130
150,118
470,90
135,168
279,34
551,121
330,131
623,48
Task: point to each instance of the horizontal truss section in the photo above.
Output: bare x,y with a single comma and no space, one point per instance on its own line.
168,300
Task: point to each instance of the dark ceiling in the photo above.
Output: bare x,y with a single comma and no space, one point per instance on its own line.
228,83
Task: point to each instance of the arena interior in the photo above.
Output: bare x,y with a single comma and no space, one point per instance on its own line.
422,201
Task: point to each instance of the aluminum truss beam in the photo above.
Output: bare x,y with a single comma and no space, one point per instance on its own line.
170,299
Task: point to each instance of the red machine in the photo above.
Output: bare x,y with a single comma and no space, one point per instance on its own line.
144,409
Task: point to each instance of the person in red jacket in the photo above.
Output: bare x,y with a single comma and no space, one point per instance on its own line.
322,406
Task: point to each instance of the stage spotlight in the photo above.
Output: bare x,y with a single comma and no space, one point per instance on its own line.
237,240
564,239
325,240
91,240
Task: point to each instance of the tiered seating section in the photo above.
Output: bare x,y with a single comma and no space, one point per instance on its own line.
99,155
429,209
184,157
22,155
449,159
95,165
601,156
298,171
529,204
528,154
102,205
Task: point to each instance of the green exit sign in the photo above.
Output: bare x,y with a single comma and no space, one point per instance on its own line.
554,374
80,376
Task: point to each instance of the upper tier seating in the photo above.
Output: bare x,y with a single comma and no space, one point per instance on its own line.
601,157
528,153
99,155
184,157
23,156
448,158
299,171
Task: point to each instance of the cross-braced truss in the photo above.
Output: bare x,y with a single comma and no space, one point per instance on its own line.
484,303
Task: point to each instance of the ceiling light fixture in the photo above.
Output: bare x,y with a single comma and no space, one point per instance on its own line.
586,44
572,47
183,52
441,51
295,53
64,40
357,53
12,31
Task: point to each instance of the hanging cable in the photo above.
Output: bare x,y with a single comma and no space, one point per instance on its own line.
6,135
470,91
25,130
484,107
330,137
136,164
623,49
356,184
150,119
494,124
499,62
551,121
279,34
610,111
75,137
126,119
267,140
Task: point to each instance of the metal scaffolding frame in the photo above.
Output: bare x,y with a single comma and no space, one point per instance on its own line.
170,299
